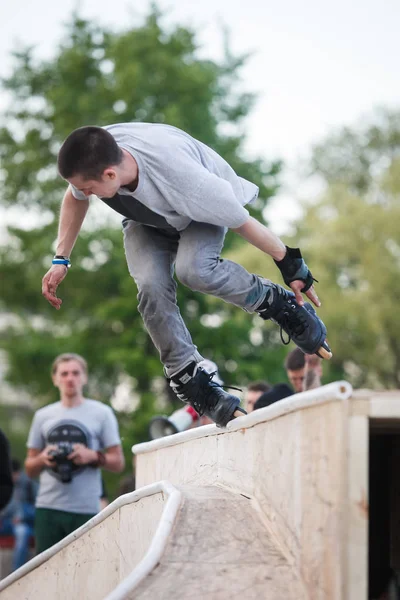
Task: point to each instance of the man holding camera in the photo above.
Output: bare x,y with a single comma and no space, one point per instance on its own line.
69,443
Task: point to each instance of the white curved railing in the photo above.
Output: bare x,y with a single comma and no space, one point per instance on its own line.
153,554
157,545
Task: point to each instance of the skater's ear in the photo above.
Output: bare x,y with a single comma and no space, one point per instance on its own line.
109,174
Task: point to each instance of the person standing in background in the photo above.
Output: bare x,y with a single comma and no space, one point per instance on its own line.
295,365
69,443
17,518
255,389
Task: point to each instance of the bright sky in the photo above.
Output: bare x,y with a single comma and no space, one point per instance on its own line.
317,65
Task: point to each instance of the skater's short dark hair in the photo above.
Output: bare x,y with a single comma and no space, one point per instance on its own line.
258,386
295,360
87,151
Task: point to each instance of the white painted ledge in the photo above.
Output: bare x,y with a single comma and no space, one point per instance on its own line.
152,556
339,390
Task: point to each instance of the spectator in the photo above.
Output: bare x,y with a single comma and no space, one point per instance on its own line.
17,519
312,372
304,371
69,443
295,365
253,393
277,392
6,481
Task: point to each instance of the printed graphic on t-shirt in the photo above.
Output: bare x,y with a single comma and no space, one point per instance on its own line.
64,435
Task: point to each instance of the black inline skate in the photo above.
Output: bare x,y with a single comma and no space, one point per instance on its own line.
300,323
194,386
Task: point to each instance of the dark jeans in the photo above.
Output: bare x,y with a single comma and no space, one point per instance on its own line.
23,533
51,526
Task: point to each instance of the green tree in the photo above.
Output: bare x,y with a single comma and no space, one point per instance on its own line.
355,156
353,244
146,73
351,241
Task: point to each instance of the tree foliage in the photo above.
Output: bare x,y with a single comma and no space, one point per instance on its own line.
351,240
353,243
356,156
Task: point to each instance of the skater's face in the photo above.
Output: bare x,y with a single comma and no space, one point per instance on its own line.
105,187
296,378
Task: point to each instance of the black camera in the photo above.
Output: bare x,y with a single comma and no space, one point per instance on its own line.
64,466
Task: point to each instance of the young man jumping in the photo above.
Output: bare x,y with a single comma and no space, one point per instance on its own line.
178,198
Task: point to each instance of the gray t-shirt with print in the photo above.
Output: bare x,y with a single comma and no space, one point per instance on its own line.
92,424
180,179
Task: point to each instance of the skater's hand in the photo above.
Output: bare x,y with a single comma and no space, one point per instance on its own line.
297,286
51,281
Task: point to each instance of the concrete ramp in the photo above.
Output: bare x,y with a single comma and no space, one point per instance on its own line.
299,500
126,538
292,459
219,548
161,543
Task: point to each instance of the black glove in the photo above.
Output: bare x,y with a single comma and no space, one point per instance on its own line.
293,267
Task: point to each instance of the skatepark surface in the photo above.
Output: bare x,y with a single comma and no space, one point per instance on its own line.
273,506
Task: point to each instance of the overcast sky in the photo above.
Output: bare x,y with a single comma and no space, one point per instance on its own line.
317,65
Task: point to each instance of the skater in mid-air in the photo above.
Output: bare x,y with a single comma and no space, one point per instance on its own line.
178,197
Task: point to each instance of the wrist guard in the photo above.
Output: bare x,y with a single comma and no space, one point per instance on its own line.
293,267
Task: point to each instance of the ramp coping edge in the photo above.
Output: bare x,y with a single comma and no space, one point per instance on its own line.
339,390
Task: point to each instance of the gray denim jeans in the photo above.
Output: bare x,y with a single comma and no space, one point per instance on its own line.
154,254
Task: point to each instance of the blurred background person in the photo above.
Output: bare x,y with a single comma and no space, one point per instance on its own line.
69,443
304,371
6,480
17,518
254,390
295,366
276,393
312,372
